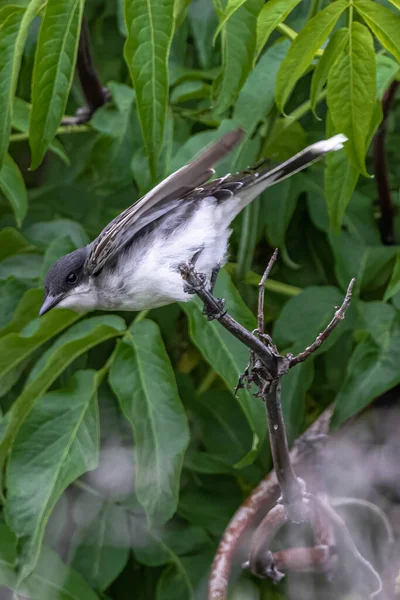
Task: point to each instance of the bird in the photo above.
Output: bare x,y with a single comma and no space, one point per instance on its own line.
134,264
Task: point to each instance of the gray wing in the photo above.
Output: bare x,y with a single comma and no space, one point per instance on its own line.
159,201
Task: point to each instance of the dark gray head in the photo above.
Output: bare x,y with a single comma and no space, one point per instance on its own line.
64,279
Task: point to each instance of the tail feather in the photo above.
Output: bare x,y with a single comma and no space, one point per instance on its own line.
266,178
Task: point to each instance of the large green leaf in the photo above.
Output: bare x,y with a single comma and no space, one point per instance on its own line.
227,356
73,343
13,187
144,382
303,49
352,92
150,29
101,549
11,292
272,14
372,371
58,442
14,27
51,580
321,71
231,7
238,41
53,72
383,23
25,310
394,284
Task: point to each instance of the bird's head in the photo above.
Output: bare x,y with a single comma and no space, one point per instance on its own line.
66,284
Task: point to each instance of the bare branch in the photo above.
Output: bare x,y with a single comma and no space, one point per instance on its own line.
261,291
339,316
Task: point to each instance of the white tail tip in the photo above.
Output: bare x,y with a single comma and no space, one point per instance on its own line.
331,145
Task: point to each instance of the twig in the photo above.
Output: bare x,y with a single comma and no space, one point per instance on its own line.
248,512
339,316
381,170
95,94
261,291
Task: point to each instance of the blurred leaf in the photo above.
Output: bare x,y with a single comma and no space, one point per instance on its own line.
43,233
59,442
210,511
53,72
150,29
143,380
25,310
293,396
67,348
13,187
303,317
190,90
258,91
377,318
238,42
203,22
352,92
271,15
179,582
372,370
102,549
14,26
383,23
22,266
286,138
280,202
394,283
303,49
386,71
11,291
12,242
51,580
321,71
225,353
203,462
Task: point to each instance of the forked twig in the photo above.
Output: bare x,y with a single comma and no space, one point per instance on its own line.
322,337
261,291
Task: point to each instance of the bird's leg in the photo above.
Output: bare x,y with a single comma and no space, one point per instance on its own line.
206,310
213,278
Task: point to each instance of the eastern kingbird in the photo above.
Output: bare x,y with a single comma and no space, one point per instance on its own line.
134,263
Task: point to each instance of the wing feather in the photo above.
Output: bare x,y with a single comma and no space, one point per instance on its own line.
158,201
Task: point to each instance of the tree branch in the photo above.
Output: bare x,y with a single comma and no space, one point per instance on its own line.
95,94
381,170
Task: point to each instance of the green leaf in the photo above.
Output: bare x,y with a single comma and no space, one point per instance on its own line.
258,91
51,580
271,15
304,316
280,203
143,380
231,7
227,356
293,397
394,283
383,23
180,582
13,187
377,318
386,71
303,49
101,550
352,92
15,347
372,370
340,180
14,27
65,350
12,242
20,120
11,292
53,72
321,71
150,29
238,42
59,442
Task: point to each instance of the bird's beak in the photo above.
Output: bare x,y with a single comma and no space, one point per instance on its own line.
49,303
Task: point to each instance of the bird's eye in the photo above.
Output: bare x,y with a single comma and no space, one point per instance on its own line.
71,278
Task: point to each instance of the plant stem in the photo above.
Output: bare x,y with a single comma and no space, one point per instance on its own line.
20,137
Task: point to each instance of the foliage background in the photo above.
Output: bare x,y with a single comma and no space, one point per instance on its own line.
123,449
